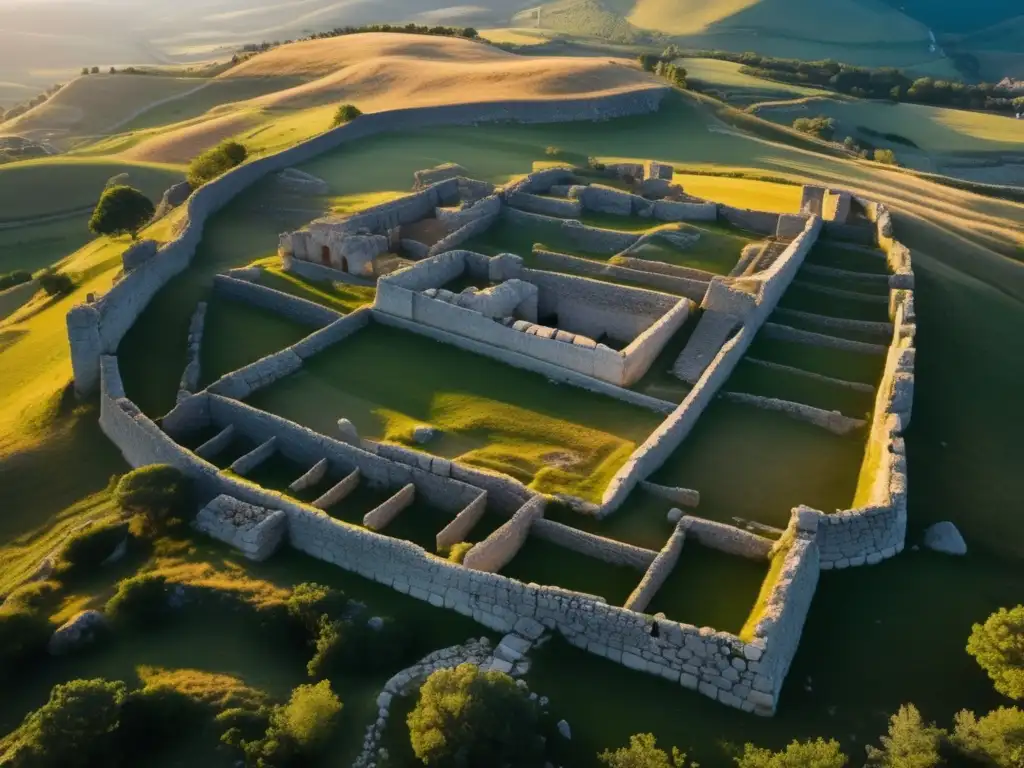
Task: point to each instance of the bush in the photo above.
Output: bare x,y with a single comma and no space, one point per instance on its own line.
24,633
56,283
997,739
12,279
458,551
89,547
158,492
309,601
346,114
553,151
799,754
468,717
121,210
139,602
298,729
648,61
76,727
820,126
216,161
998,646
155,715
643,752
910,743
885,156
353,646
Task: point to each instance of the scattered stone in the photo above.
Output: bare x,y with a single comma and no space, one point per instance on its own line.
376,623
544,701
563,728
348,431
81,629
424,434
675,515
944,537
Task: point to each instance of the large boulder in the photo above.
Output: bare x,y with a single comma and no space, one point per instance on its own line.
944,537
81,629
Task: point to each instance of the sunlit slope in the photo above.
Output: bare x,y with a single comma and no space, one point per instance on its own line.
843,21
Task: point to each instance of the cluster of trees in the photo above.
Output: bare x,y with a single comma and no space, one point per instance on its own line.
820,126
21,109
216,161
664,66
825,128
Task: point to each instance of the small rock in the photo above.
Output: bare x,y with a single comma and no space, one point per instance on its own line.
77,631
348,431
423,434
544,701
944,537
563,728
675,515
375,623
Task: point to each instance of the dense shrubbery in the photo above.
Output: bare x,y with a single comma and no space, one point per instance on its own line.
884,156
458,551
139,602
909,743
215,162
352,645
55,283
121,210
895,138
11,279
465,717
159,494
643,752
799,754
998,646
663,66
346,114
820,126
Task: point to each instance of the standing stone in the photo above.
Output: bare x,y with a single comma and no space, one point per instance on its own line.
944,537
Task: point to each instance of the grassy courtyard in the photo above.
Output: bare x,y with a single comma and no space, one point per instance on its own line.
557,439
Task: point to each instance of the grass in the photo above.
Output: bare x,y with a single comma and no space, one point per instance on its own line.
342,297
766,382
836,363
778,560
388,381
708,588
739,88
757,465
742,193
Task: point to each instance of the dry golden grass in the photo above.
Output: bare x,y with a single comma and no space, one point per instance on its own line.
217,690
377,72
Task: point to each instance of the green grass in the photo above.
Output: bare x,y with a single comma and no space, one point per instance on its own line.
837,363
708,588
338,296
758,380
807,299
237,334
758,465
837,257
387,381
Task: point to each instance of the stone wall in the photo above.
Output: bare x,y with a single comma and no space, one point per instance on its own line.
833,421
727,538
592,545
761,222
646,347
497,550
319,272
254,531
96,330
670,210
548,206
189,382
657,572
243,465
633,272
463,524
299,310
378,518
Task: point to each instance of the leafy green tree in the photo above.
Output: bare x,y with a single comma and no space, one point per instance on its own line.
799,754
648,61
910,743
885,156
346,113
55,283
998,646
121,210
75,728
643,752
465,717
997,739
159,493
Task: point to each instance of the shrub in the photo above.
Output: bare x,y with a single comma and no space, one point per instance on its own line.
76,727
346,114
215,161
95,70
821,126
121,210
553,151
157,714
910,743
799,754
998,646
56,283
468,717
643,752
139,601
158,492
89,547
458,551
648,61
885,156
354,646
997,739
309,601
298,729
24,633
11,279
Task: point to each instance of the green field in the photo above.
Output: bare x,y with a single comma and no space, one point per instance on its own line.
735,87
901,620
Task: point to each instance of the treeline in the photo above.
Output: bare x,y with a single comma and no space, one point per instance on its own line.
21,109
863,82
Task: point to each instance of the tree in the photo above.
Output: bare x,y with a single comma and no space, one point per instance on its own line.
648,61
121,209
215,161
468,32
910,743
346,114
76,727
95,70
465,717
885,156
55,283
997,739
643,752
158,492
85,70
799,754
998,646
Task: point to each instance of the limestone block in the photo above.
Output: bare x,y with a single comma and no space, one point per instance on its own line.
255,531
656,170
944,537
424,178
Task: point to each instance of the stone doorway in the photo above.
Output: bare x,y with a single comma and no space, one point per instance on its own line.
325,255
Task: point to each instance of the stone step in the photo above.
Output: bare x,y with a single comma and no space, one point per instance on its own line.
713,330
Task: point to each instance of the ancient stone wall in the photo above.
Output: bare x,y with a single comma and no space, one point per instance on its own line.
254,531
671,210
463,524
833,421
727,538
319,272
548,206
243,465
592,545
645,348
189,382
761,222
378,518
657,572
635,271
497,550
294,308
